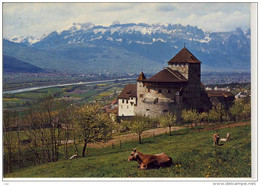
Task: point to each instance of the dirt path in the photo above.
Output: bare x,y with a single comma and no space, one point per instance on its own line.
226,126
132,137
154,132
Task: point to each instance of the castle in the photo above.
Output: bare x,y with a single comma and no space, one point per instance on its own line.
173,89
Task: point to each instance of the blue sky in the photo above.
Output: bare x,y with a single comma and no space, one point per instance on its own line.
37,19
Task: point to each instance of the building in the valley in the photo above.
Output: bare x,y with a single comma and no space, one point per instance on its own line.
173,89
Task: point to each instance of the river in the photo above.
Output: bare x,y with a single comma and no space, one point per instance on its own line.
61,85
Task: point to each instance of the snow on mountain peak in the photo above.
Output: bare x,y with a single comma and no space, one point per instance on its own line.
77,26
23,39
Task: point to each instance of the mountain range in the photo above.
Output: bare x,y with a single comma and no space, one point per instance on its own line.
130,48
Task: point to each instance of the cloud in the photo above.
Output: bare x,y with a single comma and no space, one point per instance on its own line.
42,18
166,8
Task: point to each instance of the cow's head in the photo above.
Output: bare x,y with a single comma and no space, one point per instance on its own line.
133,156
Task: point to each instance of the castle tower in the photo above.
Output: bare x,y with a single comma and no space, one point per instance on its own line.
187,64
140,89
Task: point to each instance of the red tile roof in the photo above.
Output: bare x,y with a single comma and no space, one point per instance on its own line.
184,56
129,91
141,77
219,93
167,75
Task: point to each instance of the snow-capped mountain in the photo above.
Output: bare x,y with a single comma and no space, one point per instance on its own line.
92,45
127,33
27,40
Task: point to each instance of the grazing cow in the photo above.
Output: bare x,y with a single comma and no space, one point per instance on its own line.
227,138
146,161
215,139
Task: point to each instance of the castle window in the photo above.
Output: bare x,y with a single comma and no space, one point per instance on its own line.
148,89
159,91
141,95
123,101
169,91
156,100
132,103
147,109
126,101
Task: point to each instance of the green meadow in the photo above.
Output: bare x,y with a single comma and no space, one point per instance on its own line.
192,152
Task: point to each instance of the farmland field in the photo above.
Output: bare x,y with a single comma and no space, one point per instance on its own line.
192,152
76,93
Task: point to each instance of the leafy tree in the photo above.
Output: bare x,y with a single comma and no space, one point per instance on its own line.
246,113
214,115
203,117
93,125
191,116
139,124
240,110
221,110
168,120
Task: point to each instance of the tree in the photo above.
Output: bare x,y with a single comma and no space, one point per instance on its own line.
93,125
168,120
241,109
191,116
214,115
139,124
44,120
9,140
203,117
65,120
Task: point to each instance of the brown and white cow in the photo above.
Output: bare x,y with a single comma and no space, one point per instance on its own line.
146,161
215,139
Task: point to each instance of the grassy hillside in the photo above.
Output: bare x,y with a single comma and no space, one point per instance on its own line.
11,64
193,155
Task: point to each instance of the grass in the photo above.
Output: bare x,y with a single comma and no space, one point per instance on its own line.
193,155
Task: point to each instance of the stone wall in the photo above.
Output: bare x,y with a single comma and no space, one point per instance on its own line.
156,101
183,68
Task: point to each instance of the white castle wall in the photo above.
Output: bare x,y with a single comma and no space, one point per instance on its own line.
127,106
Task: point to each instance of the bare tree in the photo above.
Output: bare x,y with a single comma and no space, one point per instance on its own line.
9,141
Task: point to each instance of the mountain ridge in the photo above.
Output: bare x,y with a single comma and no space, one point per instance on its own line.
102,47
